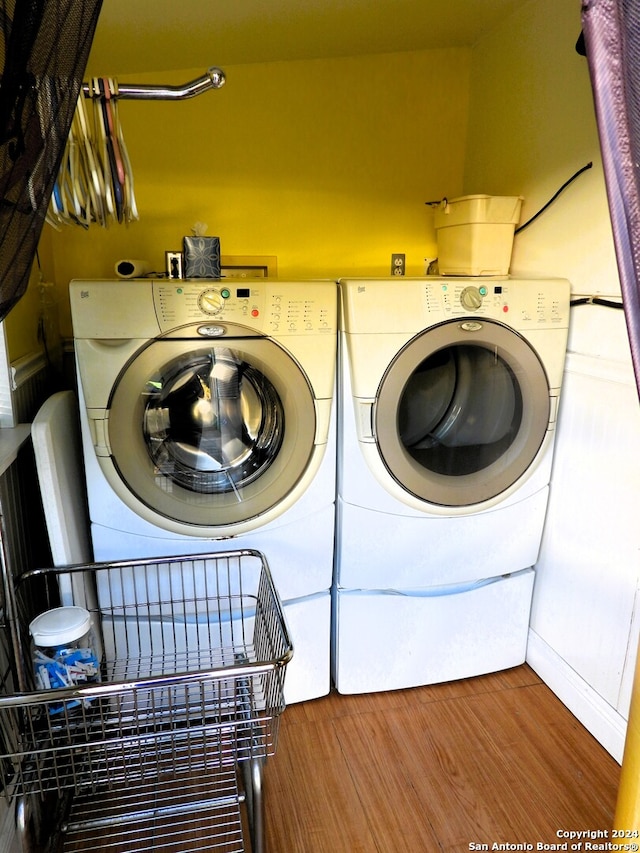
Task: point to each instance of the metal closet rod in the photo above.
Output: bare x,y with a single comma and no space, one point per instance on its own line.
213,79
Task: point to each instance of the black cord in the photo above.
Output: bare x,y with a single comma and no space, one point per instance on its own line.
553,198
597,300
542,209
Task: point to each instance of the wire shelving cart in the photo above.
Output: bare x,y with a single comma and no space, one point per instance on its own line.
166,751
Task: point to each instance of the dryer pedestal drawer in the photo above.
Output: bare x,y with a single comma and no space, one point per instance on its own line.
390,639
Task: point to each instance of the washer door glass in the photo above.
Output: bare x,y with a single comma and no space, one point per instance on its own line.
212,422
211,434
462,412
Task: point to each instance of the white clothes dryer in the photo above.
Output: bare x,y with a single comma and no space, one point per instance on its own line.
208,422
448,394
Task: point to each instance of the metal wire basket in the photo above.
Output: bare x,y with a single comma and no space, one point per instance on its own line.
193,659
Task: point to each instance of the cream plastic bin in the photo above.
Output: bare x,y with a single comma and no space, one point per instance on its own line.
475,234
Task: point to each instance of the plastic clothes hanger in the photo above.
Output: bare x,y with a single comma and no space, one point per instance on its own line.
95,179
110,108
116,171
80,195
77,180
101,134
89,165
131,210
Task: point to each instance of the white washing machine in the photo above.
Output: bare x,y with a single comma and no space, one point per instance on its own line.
208,422
448,394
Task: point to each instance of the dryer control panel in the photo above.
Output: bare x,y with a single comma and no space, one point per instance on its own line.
409,305
521,303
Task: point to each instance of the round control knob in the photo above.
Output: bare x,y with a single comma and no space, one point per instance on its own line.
471,298
210,301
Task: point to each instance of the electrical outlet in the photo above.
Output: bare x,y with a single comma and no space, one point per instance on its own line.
397,264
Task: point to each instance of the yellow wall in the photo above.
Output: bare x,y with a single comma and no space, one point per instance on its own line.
22,323
327,163
531,127
324,163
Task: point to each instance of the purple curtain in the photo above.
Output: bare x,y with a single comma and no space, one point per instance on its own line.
612,41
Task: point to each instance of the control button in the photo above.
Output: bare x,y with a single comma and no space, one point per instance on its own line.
225,293
483,290
255,312
210,301
471,298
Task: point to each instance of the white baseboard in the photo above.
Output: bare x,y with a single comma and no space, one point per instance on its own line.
599,718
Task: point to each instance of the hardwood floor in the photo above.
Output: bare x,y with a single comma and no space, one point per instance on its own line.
452,767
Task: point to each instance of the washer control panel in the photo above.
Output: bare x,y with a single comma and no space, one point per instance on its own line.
284,308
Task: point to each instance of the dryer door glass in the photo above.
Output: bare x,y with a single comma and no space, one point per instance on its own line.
462,412
211,434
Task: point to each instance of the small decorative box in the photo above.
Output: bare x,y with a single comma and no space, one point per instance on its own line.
201,257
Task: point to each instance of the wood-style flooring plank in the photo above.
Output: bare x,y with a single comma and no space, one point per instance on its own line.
311,802
397,814
435,769
447,769
562,768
